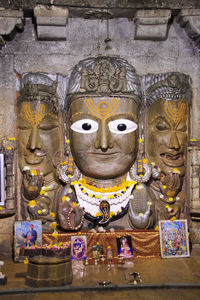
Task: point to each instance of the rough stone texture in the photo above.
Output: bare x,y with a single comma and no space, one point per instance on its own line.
194,187
51,22
190,20
7,96
195,172
86,38
152,24
9,20
175,4
195,182
6,237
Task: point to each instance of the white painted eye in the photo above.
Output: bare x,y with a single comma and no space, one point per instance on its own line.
122,126
85,126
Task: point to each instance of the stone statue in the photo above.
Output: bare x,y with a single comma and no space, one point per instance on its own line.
167,98
40,146
102,113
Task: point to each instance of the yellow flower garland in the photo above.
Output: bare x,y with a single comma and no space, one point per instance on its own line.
105,190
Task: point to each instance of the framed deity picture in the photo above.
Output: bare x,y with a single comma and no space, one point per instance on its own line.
2,196
124,246
97,251
27,234
79,247
174,241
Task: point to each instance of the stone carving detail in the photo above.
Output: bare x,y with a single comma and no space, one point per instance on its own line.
10,21
106,75
8,148
40,146
51,22
105,175
189,19
98,14
152,24
194,155
156,189
167,98
102,107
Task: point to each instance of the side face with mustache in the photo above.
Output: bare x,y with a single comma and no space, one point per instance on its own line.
103,134
39,136
167,134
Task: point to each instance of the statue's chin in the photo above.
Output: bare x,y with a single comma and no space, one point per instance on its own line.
105,174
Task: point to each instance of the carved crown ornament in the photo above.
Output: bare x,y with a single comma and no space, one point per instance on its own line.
103,79
167,86
104,76
41,93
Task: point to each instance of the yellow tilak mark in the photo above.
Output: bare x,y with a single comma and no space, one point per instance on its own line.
100,112
34,117
173,113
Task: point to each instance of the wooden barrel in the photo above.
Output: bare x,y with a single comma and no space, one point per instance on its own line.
44,271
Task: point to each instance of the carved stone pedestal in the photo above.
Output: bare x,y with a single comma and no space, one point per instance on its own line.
49,271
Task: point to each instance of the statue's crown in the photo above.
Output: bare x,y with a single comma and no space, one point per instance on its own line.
102,75
168,86
39,90
104,78
31,89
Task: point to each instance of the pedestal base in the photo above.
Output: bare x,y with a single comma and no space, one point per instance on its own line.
49,271
3,279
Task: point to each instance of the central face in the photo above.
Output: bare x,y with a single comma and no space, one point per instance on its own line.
167,134
103,135
38,135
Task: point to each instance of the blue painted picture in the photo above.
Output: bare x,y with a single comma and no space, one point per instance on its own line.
174,240
79,247
27,234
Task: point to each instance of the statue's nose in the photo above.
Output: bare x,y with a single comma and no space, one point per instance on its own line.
174,141
34,141
103,139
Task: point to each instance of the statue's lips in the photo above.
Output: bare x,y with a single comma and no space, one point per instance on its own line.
103,153
172,159
34,158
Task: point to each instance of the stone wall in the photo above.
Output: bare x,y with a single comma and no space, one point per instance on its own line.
85,38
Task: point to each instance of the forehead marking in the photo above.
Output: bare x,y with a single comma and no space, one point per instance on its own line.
103,110
34,117
174,113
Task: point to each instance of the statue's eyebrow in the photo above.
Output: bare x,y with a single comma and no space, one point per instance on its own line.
125,115
122,115
156,117
80,113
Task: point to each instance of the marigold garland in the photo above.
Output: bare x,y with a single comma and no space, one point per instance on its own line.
124,185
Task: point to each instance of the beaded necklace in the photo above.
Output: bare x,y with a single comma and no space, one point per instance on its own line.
90,197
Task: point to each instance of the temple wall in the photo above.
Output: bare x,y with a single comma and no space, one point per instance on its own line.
85,38
177,54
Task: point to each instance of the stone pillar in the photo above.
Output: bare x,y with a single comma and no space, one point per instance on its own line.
194,184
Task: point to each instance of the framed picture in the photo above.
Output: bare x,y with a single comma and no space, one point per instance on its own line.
124,246
97,251
79,247
174,241
2,196
27,234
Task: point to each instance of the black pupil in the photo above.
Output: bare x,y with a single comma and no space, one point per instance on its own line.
86,126
121,127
